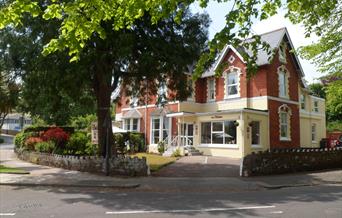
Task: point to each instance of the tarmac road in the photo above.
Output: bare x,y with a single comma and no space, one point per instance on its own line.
301,202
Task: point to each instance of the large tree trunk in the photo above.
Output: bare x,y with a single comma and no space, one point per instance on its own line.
103,91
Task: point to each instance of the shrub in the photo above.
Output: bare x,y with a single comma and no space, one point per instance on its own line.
38,129
45,147
119,142
83,122
161,147
20,138
91,149
136,142
31,142
58,135
2,140
77,144
176,153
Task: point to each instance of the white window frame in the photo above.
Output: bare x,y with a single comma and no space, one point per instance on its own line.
259,134
314,133
236,72
284,109
315,107
283,73
211,145
211,90
161,128
130,121
302,102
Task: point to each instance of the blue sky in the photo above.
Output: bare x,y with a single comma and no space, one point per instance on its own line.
217,12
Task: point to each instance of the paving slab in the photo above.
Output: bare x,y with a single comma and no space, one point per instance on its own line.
202,166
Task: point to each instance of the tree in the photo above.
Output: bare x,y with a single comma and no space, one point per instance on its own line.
9,91
160,53
317,89
85,23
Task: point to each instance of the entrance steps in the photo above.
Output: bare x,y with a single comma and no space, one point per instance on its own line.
192,151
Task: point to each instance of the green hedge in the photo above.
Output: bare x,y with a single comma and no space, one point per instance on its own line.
129,142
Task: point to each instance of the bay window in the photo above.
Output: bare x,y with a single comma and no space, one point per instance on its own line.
159,129
232,85
131,124
218,132
211,89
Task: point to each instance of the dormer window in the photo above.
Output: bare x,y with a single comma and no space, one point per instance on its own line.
283,82
282,52
211,89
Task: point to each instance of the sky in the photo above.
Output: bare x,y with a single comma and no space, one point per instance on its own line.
217,12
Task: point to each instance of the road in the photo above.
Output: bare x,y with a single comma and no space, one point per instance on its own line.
25,202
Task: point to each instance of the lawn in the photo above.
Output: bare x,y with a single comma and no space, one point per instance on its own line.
155,161
4,169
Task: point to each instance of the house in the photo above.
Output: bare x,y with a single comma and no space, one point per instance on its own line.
15,122
232,116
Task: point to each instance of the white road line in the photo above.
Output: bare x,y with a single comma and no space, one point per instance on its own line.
185,211
277,212
7,214
206,160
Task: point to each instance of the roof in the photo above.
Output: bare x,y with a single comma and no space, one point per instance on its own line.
273,38
132,114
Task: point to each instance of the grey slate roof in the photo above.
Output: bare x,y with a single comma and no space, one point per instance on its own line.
273,38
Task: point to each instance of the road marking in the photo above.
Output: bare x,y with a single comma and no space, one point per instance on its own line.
185,211
7,214
206,160
277,212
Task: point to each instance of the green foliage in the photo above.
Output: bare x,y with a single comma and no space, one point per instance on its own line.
176,153
83,122
45,147
79,144
334,100
136,142
20,139
119,142
317,89
161,147
334,125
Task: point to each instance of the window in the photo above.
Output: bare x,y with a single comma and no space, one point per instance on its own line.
313,132
282,84
302,102
191,89
255,126
160,129
282,52
131,124
155,130
284,122
315,109
211,89
232,84
218,132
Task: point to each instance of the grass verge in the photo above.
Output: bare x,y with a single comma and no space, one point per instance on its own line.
4,169
155,161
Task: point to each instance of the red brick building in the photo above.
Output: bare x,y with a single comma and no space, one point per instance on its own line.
233,116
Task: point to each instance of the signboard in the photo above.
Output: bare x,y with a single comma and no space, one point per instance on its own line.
94,133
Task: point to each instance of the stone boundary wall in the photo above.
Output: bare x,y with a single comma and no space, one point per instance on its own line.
279,161
121,165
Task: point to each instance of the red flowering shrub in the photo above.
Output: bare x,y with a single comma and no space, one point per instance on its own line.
56,134
31,142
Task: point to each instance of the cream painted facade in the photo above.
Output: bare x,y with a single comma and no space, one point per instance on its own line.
313,114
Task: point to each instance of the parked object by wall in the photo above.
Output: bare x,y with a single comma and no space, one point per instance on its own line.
121,165
280,161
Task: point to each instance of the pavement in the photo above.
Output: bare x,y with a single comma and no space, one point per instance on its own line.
49,176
